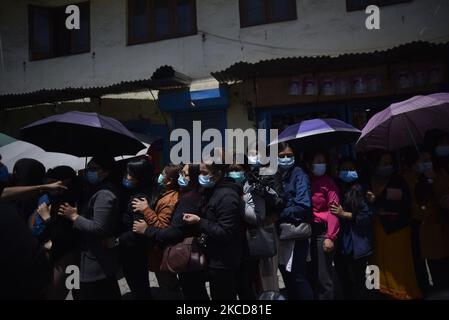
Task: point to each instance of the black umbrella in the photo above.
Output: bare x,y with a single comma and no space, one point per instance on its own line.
82,134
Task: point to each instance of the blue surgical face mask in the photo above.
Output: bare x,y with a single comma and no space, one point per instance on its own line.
385,171
160,180
92,177
319,169
182,181
128,184
425,166
205,181
238,176
442,151
348,175
286,162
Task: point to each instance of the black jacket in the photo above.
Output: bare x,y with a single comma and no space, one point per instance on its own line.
222,211
189,202
59,229
24,269
392,223
128,238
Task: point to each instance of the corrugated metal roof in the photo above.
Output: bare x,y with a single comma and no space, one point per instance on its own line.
164,77
414,51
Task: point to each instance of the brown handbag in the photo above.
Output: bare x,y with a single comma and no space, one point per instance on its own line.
183,257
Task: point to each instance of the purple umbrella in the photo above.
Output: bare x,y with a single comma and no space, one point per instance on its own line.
320,132
405,123
82,134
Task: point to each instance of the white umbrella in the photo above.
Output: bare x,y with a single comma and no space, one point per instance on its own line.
17,150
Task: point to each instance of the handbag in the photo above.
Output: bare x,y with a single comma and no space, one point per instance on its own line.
289,231
183,257
262,241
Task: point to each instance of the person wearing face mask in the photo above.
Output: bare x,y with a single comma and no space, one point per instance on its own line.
392,232
192,283
417,171
355,241
97,224
434,230
56,233
297,209
138,184
220,221
246,281
325,226
263,200
160,215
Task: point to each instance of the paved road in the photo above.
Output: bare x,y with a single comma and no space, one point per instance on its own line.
159,294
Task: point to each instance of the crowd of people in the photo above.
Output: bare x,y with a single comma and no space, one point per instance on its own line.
319,220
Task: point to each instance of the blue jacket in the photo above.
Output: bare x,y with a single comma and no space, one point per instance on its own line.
356,234
297,196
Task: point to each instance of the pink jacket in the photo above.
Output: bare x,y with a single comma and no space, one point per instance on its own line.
324,193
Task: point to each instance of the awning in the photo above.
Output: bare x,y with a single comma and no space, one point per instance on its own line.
411,52
163,78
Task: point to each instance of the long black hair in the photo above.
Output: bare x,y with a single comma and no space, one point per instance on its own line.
27,172
353,191
311,154
194,172
73,193
143,171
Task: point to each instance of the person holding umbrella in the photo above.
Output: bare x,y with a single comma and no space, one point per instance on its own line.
297,210
97,224
392,232
325,225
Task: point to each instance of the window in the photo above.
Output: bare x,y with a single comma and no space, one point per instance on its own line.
256,12
153,20
49,37
353,5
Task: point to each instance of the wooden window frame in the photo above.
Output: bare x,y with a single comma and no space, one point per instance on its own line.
268,19
52,10
152,22
379,3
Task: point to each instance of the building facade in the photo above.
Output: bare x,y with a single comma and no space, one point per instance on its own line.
333,66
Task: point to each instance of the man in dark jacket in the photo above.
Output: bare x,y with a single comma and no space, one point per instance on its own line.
222,212
97,224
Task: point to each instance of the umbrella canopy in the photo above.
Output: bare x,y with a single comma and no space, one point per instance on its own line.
5,139
405,123
320,132
17,150
82,134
